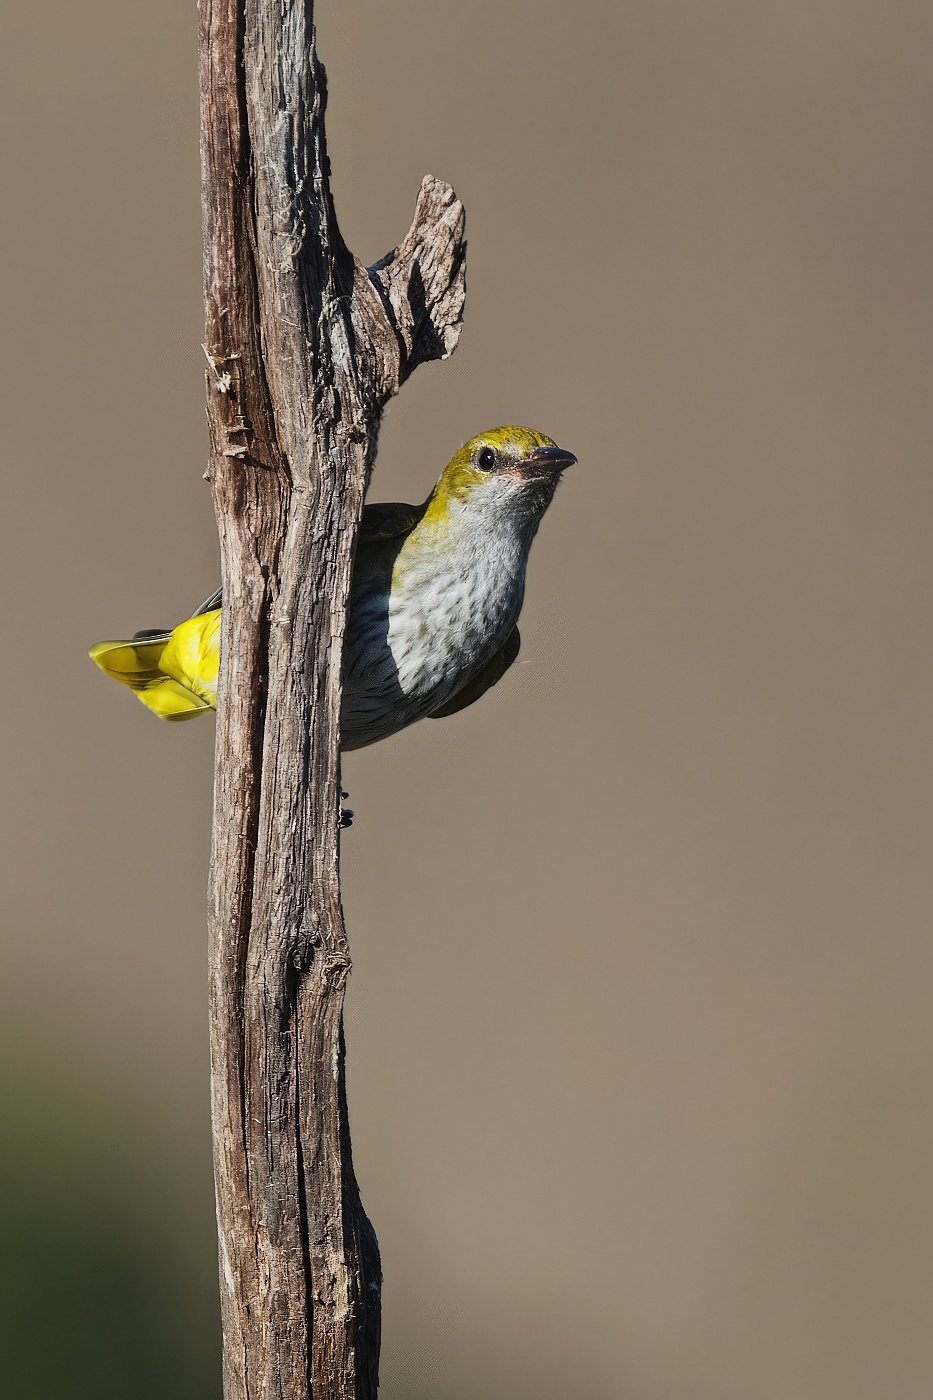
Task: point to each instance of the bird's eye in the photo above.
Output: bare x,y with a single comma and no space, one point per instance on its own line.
485,459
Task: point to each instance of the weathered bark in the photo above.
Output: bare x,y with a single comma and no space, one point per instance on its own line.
304,347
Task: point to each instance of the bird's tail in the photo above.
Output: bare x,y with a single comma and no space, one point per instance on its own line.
174,673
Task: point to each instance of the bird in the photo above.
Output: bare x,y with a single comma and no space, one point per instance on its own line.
435,598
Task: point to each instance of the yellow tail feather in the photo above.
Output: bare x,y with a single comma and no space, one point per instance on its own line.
174,674
172,701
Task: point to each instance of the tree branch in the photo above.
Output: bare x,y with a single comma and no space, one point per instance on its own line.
422,282
304,348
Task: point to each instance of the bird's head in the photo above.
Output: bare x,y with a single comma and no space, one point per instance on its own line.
506,471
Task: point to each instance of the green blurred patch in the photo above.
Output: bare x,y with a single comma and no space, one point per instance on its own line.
102,1295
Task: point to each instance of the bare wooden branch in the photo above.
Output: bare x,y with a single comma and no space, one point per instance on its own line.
304,347
423,281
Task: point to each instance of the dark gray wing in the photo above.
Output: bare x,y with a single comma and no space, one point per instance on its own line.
484,680
383,520
388,520
209,604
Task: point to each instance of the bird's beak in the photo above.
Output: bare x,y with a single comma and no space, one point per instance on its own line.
546,461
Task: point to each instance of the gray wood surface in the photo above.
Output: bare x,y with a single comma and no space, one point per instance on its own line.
304,346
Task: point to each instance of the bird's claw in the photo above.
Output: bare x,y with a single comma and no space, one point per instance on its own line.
346,814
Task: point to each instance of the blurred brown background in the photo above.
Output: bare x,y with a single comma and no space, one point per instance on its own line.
639,1023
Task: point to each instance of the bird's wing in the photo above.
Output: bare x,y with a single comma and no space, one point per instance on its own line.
383,520
210,603
484,680
388,520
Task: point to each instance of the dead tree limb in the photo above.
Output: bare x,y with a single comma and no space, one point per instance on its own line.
304,347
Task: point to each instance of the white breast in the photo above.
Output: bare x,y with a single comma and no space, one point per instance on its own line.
456,592
451,608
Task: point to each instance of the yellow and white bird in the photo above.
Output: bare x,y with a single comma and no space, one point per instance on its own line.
434,603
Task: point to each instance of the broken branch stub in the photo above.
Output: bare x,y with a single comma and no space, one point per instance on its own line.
304,347
422,282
